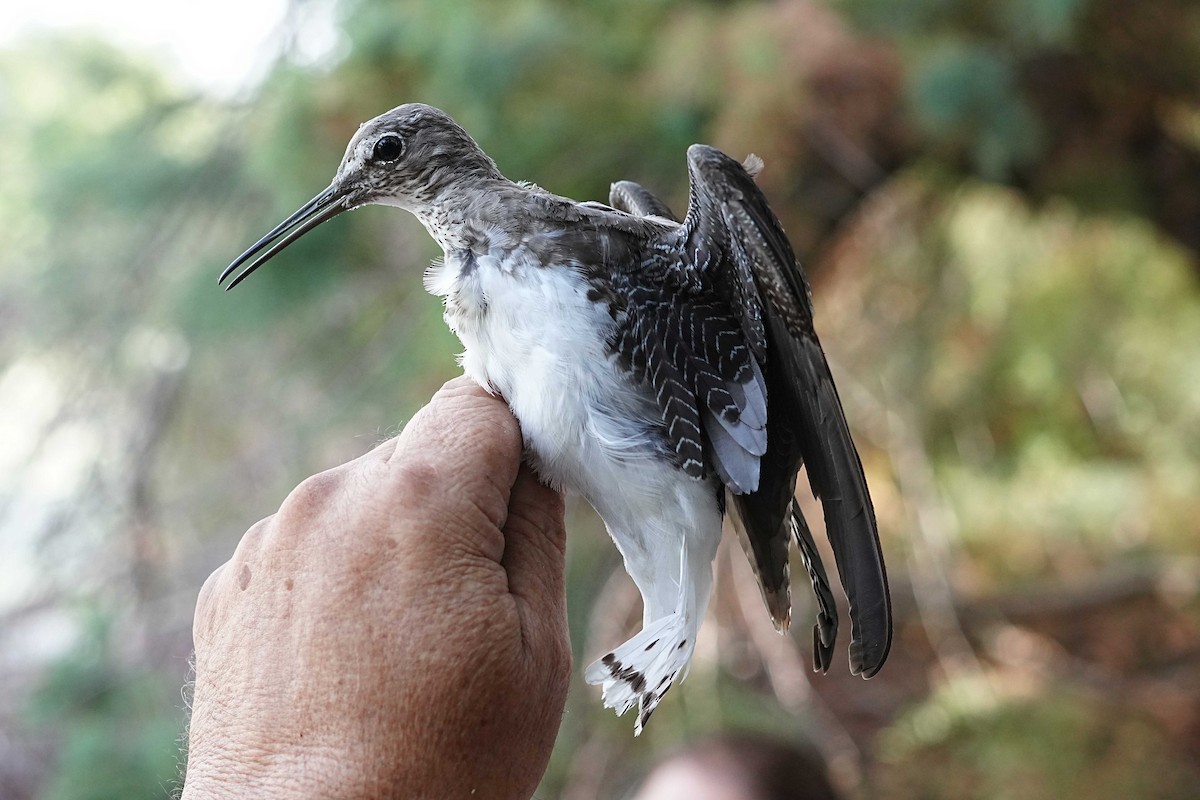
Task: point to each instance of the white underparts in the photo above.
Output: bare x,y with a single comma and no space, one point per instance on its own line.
531,334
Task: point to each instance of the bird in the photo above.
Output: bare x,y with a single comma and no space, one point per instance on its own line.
666,370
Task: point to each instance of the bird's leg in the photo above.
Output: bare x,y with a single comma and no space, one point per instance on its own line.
642,669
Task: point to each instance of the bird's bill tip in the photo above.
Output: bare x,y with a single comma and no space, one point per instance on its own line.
325,206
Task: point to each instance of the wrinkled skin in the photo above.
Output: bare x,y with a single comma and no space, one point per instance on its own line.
397,629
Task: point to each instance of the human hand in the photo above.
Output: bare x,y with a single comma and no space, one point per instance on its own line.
397,629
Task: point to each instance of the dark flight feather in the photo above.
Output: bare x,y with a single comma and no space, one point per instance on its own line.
722,306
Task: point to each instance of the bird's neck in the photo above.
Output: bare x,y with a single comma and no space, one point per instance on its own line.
468,217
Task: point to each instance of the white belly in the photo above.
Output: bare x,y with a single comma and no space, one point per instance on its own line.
532,335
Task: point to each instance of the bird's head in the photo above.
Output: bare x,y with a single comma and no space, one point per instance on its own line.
409,157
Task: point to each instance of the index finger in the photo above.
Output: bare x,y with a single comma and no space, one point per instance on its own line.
464,441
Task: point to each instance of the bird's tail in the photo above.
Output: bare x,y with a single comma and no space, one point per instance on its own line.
642,670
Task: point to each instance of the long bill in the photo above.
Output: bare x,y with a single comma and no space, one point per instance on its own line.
325,206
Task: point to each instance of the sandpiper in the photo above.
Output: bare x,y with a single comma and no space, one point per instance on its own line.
666,370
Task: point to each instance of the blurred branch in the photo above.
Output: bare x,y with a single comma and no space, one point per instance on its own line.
930,553
854,164
144,525
788,673
1174,580
786,670
885,422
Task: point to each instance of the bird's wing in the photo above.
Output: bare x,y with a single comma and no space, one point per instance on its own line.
685,344
633,198
702,389
732,245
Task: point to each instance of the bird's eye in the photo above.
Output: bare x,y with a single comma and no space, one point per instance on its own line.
389,148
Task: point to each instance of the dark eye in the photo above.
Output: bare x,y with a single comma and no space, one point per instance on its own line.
388,148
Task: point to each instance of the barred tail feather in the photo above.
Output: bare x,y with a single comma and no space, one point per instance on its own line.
642,669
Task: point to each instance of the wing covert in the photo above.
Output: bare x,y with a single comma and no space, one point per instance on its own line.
710,389
633,198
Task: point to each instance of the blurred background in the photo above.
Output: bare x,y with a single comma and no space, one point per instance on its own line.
998,202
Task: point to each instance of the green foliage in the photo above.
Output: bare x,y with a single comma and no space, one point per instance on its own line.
982,744
1047,362
117,173
1021,24
966,62
965,97
119,741
548,88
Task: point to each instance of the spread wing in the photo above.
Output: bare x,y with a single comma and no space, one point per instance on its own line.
727,343
682,339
